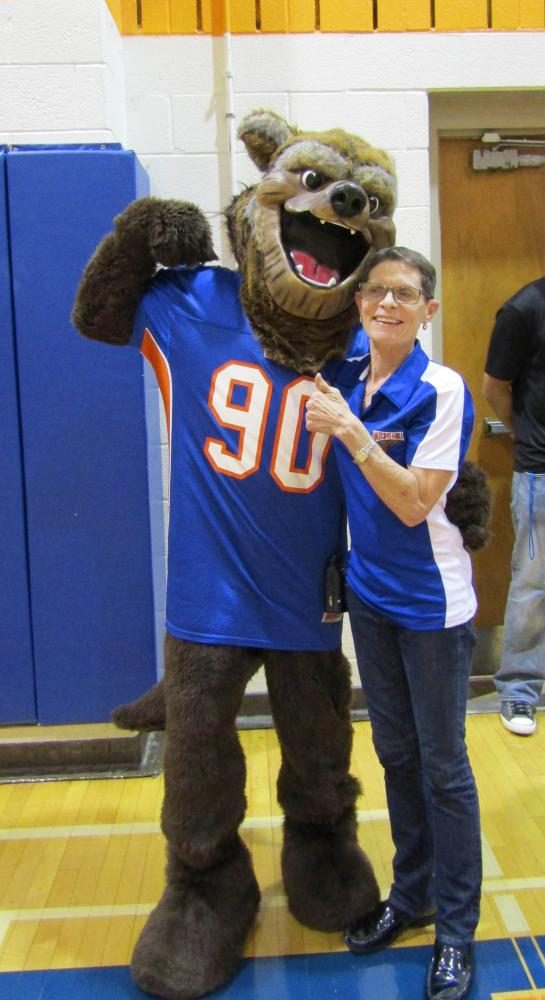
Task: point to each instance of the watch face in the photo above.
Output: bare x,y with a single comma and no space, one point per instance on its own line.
362,453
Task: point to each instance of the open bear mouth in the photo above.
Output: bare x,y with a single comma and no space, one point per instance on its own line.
321,253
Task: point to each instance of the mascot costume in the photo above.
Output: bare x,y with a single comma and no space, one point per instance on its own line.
257,515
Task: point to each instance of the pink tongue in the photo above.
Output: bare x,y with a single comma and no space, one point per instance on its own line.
312,269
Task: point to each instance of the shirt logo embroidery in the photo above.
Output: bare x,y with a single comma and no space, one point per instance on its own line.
388,436
387,439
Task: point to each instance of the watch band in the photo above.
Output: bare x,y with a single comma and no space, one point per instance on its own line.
362,454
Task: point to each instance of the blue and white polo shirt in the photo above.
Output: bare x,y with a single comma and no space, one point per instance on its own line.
417,577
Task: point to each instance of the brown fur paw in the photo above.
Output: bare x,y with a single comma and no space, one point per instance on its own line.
180,234
329,880
194,938
469,504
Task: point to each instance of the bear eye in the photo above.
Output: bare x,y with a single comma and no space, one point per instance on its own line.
374,204
312,179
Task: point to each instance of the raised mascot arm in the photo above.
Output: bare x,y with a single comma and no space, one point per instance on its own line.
150,232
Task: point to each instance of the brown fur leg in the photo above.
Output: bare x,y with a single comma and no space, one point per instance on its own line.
147,713
193,940
329,880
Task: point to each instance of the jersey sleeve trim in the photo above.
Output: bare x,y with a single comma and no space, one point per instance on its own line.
152,352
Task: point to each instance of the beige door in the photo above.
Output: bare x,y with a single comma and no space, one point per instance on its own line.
492,242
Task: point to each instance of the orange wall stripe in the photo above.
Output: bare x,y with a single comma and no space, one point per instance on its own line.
214,17
243,15
461,15
129,10
301,15
532,14
183,18
115,9
219,16
274,16
212,14
403,15
350,15
512,14
156,17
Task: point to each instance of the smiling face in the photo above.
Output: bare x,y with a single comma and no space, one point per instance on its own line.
392,327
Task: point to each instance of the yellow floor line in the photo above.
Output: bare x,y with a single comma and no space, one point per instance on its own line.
90,830
538,949
513,884
510,912
5,921
518,995
77,912
524,964
370,815
513,918
491,866
7,917
124,829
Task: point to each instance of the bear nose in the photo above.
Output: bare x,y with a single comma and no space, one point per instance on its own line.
348,199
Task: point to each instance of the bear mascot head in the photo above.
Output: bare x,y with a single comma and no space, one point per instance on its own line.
256,517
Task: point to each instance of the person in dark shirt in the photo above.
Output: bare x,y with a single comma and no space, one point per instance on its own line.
514,385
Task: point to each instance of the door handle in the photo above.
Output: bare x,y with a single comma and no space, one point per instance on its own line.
492,426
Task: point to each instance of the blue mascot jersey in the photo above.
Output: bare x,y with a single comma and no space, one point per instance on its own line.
256,503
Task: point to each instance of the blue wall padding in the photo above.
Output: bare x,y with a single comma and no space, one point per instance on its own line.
84,442
17,695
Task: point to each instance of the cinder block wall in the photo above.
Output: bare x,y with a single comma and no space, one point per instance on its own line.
61,73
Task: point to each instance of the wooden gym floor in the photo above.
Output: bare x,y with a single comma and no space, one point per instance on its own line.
81,865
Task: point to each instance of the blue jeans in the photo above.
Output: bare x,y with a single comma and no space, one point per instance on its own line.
416,688
522,668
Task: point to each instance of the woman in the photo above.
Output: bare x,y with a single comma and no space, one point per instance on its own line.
400,441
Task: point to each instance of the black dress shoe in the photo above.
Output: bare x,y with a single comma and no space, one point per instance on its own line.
380,927
450,973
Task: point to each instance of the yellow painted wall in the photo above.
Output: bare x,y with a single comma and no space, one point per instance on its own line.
188,17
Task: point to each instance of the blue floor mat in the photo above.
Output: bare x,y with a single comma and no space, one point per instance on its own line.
394,974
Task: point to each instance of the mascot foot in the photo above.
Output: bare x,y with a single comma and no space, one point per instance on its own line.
328,879
147,713
194,938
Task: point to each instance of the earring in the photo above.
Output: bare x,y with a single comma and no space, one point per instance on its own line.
425,325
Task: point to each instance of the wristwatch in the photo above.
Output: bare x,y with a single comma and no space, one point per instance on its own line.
362,454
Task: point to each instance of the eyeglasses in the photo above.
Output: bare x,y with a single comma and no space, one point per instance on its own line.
404,295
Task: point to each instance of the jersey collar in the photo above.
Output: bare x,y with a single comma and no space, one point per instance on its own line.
399,386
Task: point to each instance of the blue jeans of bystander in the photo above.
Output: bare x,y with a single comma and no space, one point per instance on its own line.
521,672
416,688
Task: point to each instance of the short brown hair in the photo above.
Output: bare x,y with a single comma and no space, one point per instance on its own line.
410,257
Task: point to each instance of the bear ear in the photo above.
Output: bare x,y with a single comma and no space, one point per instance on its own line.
263,132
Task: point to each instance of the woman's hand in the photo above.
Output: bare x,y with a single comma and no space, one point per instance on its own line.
409,493
327,411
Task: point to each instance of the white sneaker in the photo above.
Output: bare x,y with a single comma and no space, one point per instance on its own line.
518,717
